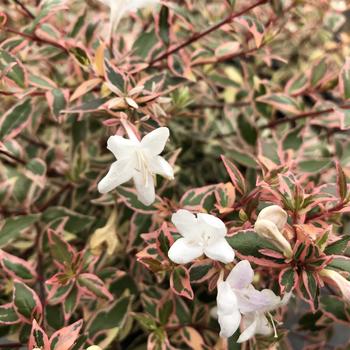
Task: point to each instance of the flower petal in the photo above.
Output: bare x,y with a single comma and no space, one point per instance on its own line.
250,322
213,224
226,299
145,188
229,323
275,214
137,4
220,250
182,252
155,141
186,223
121,147
241,276
158,165
120,171
263,326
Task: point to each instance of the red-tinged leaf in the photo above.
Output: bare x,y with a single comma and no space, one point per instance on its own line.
65,338
195,199
70,302
235,175
288,279
193,338
227,49
47,9
41,82
26,302
15,120
129,198
81,56
309,289
58,292
93,286
8,315
297,85
164,240
38,338
61,251
255,27
225,195
17,268
115,78
201,271
281,102
13,69
85,87
150,257
57,100
344,80
180,282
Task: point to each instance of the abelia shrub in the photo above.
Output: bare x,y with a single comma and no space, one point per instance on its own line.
174,174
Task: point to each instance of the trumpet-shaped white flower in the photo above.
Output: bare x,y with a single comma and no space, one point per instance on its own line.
340,281
119,8
201,234
238,300
139,160
269,224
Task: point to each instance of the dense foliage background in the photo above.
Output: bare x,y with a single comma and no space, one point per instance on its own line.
256,97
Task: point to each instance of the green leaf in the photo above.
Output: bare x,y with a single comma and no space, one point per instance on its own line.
180,282
335,308
338,247
247,131
114,76
57,101
344,79
112,317
314,165
164,24
8,315
242,158
288,279
318,72
15,120
340,263
76,222
14,226
144,44
60,250
26,301
248,243
81,56
281,102
16,73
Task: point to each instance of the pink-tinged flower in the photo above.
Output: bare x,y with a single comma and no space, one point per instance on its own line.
238,300
140,161
201,234
340,281
119,8
269,224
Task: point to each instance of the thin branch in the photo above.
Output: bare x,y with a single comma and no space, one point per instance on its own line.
24,8
195,37
310,114
13,157
35,38
326,213
55,196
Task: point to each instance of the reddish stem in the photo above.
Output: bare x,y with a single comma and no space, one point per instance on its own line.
195,37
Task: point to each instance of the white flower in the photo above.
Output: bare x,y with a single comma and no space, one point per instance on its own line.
341,282
269,224
139,160
201,234
119,8
229,298
94,347
238,300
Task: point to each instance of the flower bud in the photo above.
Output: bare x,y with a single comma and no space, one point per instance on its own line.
275,214
269,230
342,283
